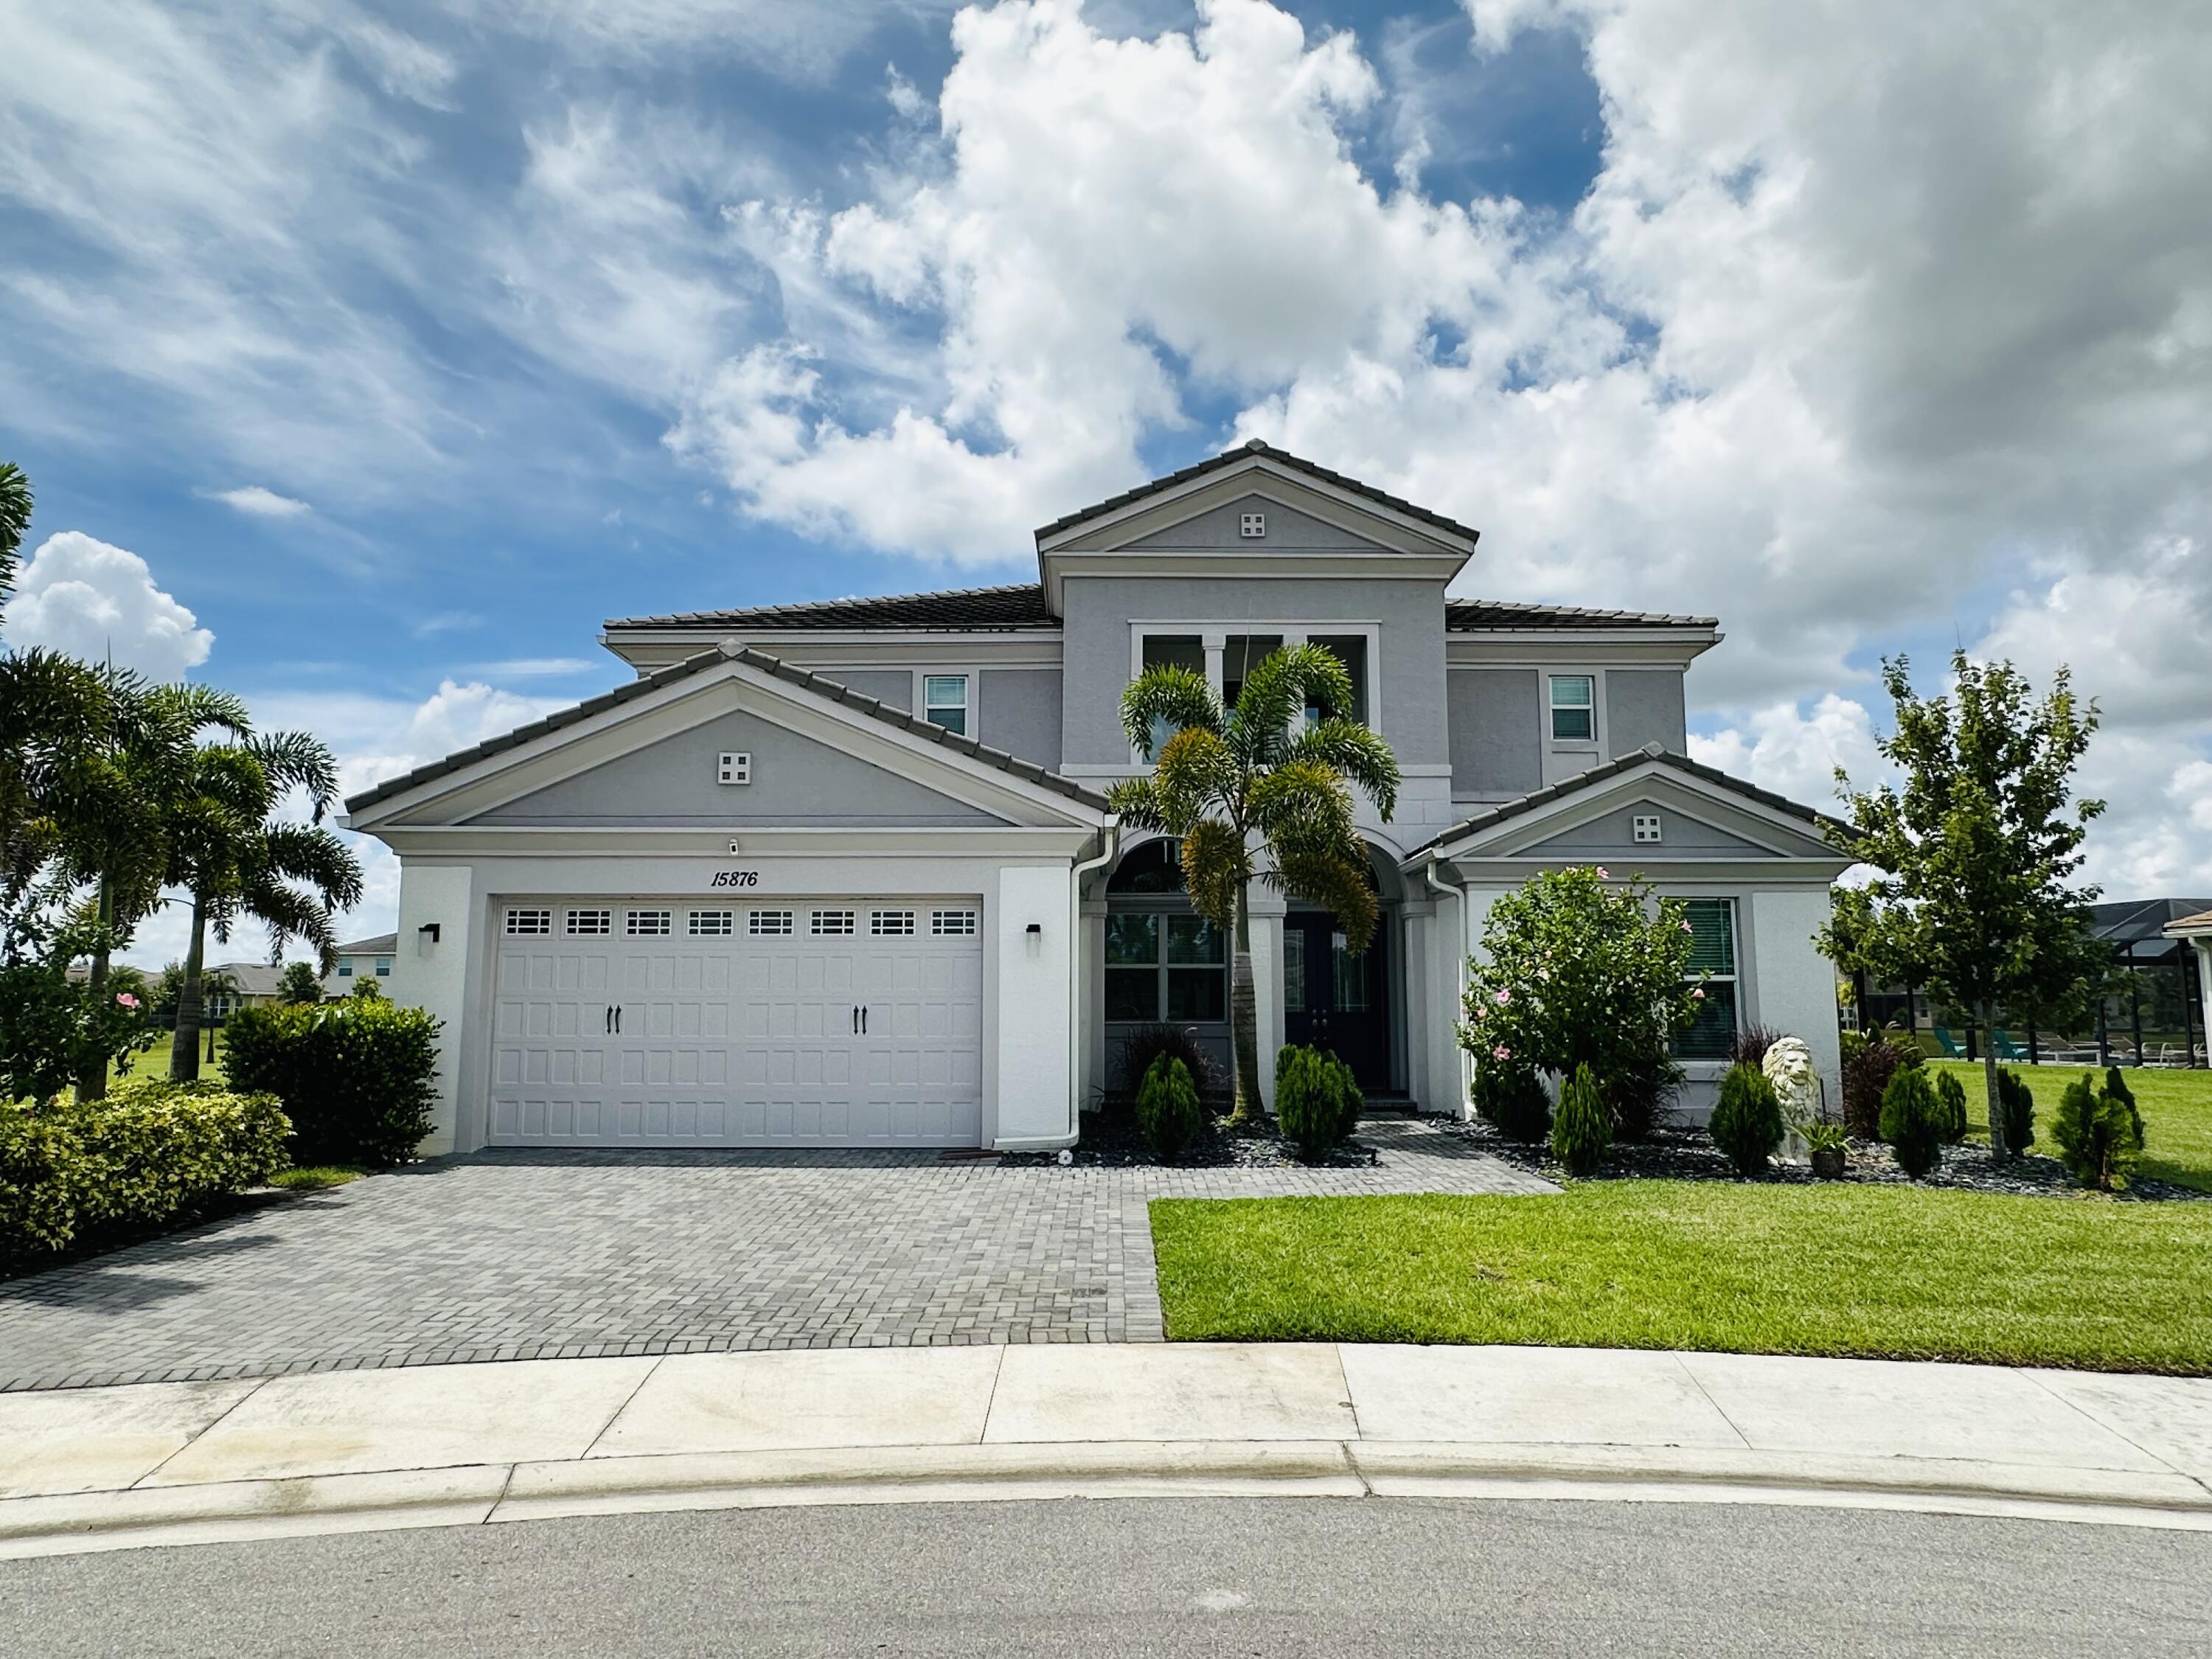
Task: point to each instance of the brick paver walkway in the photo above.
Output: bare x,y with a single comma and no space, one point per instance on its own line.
509,1256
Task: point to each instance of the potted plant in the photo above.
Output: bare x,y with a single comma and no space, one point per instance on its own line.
1826,1141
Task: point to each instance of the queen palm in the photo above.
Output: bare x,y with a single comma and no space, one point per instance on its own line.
1273,774
240,863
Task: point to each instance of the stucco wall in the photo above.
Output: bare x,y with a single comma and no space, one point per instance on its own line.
436,977
796,782
1613,837
1497,733
1096,647
1644,705
1037,1077
892,685
1019,711
1224,526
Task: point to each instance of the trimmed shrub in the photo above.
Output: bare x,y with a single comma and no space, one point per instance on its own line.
1867,1075
1909,1121
1514,1101
356,1077
1746,1123
1167,1107
1146,1044
2016,1101
2116,1084
1581,1129
146,1154
1316,1100
2097,1135
1350,1103
1950,1108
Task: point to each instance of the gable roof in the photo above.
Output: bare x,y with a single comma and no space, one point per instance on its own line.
815,684
1650,752
1243,452
382,945
2182,927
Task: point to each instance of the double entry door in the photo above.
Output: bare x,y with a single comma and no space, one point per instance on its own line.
1335,1000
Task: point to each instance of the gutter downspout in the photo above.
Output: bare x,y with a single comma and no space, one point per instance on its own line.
1078,1047
1459,959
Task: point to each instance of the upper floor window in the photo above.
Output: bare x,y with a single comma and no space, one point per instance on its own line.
1171,651
1574,707
945,701
384,967
346,967
1351,650
1240,655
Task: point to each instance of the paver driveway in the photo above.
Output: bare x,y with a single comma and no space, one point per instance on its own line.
507,1255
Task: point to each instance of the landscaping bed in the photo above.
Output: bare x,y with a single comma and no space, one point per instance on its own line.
1866,1269
1679,1154
1111,1139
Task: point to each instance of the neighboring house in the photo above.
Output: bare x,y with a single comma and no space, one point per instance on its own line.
2195,931
844,874
364,958
256,985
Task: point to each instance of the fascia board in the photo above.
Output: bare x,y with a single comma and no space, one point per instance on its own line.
1723,809
1598,647
461,842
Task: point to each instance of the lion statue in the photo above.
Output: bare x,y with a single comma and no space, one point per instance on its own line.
1789,1067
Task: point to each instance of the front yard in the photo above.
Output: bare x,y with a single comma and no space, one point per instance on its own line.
1879,1272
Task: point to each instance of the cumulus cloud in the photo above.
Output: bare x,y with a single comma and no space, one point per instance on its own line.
257,502
98,602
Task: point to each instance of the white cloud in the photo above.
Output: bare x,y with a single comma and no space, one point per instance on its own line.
257,502
100,603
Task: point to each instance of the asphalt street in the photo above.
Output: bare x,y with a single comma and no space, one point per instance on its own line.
1272,1577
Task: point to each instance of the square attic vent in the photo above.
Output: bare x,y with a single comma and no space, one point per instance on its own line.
1647,828
736,768
1253,525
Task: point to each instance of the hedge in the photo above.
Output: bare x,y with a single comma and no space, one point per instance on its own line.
146,1153
357,1077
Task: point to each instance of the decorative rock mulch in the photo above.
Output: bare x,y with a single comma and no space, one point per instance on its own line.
1112,1141
1678,1154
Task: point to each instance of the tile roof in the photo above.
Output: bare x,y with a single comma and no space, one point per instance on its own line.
1612,768
2199,923
1015,606
382,945
1479,615
1030,771
1245,452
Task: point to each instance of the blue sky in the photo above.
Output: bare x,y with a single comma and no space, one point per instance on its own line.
401,344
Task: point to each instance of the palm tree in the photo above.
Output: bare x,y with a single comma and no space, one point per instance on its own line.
14,522
1273,774
238,862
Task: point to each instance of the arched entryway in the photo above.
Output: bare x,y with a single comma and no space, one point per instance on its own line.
1353,1005
1162,964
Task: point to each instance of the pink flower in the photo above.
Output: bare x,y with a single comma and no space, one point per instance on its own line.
1604,874
1501,1052
127,1000
1697,995
1543,973
1502,997
1688,929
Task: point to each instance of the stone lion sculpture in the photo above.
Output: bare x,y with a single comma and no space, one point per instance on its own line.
1789,1067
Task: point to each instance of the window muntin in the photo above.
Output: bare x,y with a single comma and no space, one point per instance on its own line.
945,701
890,924
530,922
649,924
1197,989
1170,967
765,922
713,924
829,923
1133,977
591,922
953,923
1574,707
1712,955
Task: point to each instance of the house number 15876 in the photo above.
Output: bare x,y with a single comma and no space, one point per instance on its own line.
735,879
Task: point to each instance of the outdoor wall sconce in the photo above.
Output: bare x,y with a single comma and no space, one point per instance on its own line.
1037,938
426,936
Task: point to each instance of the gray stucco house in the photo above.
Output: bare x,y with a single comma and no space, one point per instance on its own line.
843,873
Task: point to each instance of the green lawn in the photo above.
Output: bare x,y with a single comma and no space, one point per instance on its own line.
314,1178
154,1063
2177,1109
1891,1271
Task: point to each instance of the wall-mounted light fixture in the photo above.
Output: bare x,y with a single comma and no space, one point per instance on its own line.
1037,938
426,936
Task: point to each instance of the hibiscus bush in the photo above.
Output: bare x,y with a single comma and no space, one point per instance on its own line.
1580,968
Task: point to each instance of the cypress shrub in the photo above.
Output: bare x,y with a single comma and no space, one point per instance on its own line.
1306,1103
1350,1102
1908,1122
1950,1109
1582,1131
2116,1084
2017,1101
357,1077
1512,1098
2098,1135
1746,1122
1167,1107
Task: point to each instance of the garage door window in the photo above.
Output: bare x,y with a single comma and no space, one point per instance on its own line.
832,921
761,922
591,922
530,922
711,924
891,924
951,923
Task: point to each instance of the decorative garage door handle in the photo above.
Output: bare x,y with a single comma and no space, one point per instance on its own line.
859,1021
618,1020
614,1021
610,1019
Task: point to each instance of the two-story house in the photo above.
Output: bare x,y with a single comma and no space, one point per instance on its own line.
844,874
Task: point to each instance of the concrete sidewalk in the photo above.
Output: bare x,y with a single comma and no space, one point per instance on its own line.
157,1463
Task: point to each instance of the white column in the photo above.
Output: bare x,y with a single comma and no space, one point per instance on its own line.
2203,945
1267,989
433,975
1090,993
1037,1032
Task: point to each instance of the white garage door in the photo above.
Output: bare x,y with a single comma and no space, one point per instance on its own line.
834,1022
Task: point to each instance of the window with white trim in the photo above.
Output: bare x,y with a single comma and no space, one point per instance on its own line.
734,767
711,924
829,922
530,922
945,701
384,967
1574,707
1646,828
890,924
761,922
1252,526
591,922
650,924
345,966
1165,966
948,924
1713,977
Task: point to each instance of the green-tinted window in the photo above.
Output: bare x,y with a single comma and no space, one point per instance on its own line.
945,701
1574,707
1712,968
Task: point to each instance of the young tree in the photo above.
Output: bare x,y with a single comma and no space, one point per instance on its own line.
1974,852
300,984
1232,783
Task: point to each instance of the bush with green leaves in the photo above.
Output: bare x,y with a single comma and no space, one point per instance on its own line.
2098,1133
2016,1102
1512,1098
1950,1108
50,1023
1167,1108
1145,1044
1746,1122
139,1158
1911,1122
1581,1129
358,1077
1316,1100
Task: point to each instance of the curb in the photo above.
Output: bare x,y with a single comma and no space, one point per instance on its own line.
236,1511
